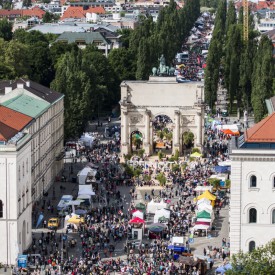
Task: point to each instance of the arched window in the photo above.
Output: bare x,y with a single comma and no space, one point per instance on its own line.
253,181
273,216
251,246
1,209
252,215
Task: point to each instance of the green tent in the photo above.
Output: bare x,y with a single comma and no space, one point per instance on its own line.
140,206
203,215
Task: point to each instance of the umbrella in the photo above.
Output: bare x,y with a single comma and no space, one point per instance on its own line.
156,227
196,155
228,132
137,220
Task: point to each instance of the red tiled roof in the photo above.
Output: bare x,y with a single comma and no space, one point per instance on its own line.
25,12
79,12
6,132
264,131
13,118
37,12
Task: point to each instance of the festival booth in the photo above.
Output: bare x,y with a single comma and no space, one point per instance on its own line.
86,190
161,213
204,206
138,213
83,174
177,245
155,230
137,227
153,206
209,196
87,139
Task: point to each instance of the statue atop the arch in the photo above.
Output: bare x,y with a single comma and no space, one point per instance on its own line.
162,65
163,70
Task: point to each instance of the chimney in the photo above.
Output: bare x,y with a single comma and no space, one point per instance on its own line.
20,85
28,83
8,90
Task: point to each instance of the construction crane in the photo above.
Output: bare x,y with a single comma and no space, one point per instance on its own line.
245,20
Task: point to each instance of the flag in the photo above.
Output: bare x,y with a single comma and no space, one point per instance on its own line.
40,219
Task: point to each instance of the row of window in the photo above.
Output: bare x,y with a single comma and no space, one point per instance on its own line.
253,182
253,216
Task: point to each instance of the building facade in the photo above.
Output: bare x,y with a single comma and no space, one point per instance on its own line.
142,101
15,184
30,156
252,204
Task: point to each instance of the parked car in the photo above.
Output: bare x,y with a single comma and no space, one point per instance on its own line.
53,223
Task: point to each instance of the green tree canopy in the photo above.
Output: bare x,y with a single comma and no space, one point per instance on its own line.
5,29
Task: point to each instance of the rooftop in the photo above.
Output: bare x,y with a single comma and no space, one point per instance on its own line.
27,105
262,132
39,90
13,119
6,132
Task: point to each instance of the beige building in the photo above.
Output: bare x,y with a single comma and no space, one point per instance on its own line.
142,101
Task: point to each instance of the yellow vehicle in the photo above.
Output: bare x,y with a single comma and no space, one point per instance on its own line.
53,223
75,219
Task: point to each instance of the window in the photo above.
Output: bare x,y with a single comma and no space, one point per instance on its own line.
252,215
253,181
251,246
273,183
273,216
1,209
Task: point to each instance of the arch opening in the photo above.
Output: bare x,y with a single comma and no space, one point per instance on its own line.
136,141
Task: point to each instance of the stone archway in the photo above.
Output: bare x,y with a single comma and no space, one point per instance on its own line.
162,138
142,101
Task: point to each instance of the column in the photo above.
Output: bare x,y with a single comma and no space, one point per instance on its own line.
176,132
147,142
199,130
124,133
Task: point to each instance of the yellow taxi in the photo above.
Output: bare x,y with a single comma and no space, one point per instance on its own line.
53,223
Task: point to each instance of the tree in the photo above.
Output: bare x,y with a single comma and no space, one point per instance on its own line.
188,139
263,74
161,178
5,29
258,261
122,62
231,16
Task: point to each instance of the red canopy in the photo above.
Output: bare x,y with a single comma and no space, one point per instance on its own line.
228,132
204,223
137,220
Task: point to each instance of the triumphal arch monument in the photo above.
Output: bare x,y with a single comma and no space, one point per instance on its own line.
142,101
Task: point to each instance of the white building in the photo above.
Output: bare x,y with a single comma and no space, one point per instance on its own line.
15,184
31,156
252,204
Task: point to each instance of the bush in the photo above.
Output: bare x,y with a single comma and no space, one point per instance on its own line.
127,157
195,150
175,168
228,183
215,182
161,178
141,153
183,167
160,155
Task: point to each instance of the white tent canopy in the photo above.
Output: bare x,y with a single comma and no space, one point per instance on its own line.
87,139
205,201
232,127
161,213
153,206
225,163
138,214
177,240
206,207
86,190
82,175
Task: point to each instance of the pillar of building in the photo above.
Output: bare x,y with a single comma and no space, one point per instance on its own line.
198,141
176,132
124,134
147,143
